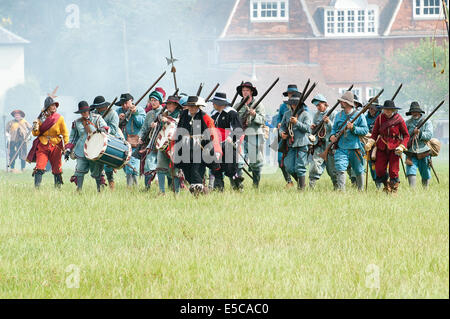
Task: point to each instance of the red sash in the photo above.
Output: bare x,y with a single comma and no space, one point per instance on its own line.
394,120
48,123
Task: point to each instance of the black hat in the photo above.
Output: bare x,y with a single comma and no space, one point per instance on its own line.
174,99
247,85
195,101
375,103
99,102
49,102
22,113
388,104
415,107
291,88
358,104
220,99
124,98
83,106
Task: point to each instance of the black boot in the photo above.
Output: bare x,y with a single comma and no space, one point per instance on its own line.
301,180
80,180
256,178
38,177
58,180
219,184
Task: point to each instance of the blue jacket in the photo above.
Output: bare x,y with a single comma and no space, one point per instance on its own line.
112,121
350,139
135,123
318,116
281,110
78,134
426,133
300,129
371,119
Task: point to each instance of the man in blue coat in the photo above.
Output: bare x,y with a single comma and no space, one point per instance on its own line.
131,119
418,156
371,116
349,145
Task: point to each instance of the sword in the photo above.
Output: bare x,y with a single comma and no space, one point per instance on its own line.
403,166
171,61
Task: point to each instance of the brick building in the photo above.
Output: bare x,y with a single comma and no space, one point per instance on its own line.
339,42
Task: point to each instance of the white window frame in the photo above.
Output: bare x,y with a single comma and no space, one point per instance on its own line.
376,90
269,19
337,23
421,15
356,91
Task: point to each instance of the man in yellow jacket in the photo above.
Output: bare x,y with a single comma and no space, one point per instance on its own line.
52,135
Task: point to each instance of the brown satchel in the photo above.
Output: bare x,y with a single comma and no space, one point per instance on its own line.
132,138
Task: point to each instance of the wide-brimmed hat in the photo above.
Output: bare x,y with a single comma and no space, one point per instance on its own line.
375,103
156,95
247,85
174,99
183,99
388,104
124,98
319,98
348,98
291,88
49,102
99,102
415,107
195,101
22,114
83,106
220,99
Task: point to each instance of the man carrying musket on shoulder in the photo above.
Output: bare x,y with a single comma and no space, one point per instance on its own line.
112,121
297,156
320,142
131,120
252,121
371,116
51,135
229,128
17,134
86,125
390,135
349,145
418,155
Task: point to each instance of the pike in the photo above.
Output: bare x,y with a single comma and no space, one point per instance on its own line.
235,96
200,88
396,92
324,154
212,92
422,123
171,61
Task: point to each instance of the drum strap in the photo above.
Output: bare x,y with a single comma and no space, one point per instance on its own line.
86,125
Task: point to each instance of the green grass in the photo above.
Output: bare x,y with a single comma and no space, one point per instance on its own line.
270,243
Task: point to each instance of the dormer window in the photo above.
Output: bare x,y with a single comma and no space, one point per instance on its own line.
351,18
269,11
427,9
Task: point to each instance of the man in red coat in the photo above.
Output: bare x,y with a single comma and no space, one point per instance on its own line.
390,136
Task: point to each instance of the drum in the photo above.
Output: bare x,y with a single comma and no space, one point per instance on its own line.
166,134
107,149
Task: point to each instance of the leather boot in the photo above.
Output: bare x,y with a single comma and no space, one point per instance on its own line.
360,182
286,176
378,185
425,183
38,178
301,183
110,178
394,186
412,181
58,180
387,187
256,178
80,180
98,181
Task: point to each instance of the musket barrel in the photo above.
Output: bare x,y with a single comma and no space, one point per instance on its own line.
396,92
212,92
150,88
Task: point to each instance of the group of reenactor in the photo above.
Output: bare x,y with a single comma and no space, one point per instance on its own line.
230,141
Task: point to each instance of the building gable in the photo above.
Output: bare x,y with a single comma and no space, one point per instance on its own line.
7,38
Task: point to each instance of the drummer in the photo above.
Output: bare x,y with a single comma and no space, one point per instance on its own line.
112,120
165,166
87,124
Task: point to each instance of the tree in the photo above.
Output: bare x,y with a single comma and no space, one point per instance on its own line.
423,81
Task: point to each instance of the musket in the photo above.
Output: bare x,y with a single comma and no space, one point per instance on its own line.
403,166
199,91
235,96
20,147
212,92
396,92
302,94
173,69
421,123
176,92
109,108
324,154
430,162
150,88
242,103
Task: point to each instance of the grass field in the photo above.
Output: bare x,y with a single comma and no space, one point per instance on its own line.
270,243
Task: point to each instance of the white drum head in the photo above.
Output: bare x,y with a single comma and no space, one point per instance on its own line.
95,146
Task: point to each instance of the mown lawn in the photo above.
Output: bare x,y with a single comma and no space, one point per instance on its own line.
270,243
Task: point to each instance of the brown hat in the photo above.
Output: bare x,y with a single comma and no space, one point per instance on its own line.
348,98
18,111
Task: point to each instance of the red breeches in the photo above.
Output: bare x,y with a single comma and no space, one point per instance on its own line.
50,153
383,159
